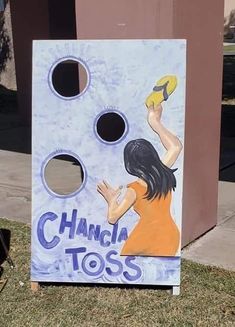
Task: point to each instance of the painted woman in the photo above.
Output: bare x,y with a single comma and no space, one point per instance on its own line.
156,233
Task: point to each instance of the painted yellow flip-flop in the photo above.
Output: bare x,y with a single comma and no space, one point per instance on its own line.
162,90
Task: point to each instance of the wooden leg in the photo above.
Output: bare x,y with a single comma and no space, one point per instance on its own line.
2,284
35,287
175,290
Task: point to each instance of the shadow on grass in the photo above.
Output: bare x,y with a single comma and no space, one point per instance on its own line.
104,286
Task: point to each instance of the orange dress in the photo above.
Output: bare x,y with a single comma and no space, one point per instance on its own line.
156,233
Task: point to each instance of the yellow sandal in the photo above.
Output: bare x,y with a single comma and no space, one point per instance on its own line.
162,90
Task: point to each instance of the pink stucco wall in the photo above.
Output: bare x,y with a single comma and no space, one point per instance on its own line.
201,23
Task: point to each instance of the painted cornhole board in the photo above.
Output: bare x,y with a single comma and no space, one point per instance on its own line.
72,241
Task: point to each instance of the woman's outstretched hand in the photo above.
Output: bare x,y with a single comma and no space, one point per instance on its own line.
109,193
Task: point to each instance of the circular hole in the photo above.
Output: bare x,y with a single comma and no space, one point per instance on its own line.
64,175
69,78
110,127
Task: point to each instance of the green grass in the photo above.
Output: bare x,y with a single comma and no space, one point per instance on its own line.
207,297
229,48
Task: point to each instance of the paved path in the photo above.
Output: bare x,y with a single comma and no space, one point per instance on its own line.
214,248
15,186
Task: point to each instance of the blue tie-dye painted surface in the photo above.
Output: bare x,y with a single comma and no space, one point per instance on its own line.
71,238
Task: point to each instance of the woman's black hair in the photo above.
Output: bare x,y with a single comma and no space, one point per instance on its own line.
142,160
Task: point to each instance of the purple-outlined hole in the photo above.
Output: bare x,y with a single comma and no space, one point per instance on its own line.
69,78
111,127
63,174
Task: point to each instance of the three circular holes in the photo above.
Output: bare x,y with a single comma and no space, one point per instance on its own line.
64,174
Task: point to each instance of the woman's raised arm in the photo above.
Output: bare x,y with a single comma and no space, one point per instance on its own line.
170,141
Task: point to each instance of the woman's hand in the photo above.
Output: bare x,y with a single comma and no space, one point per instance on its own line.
109,193
116,210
